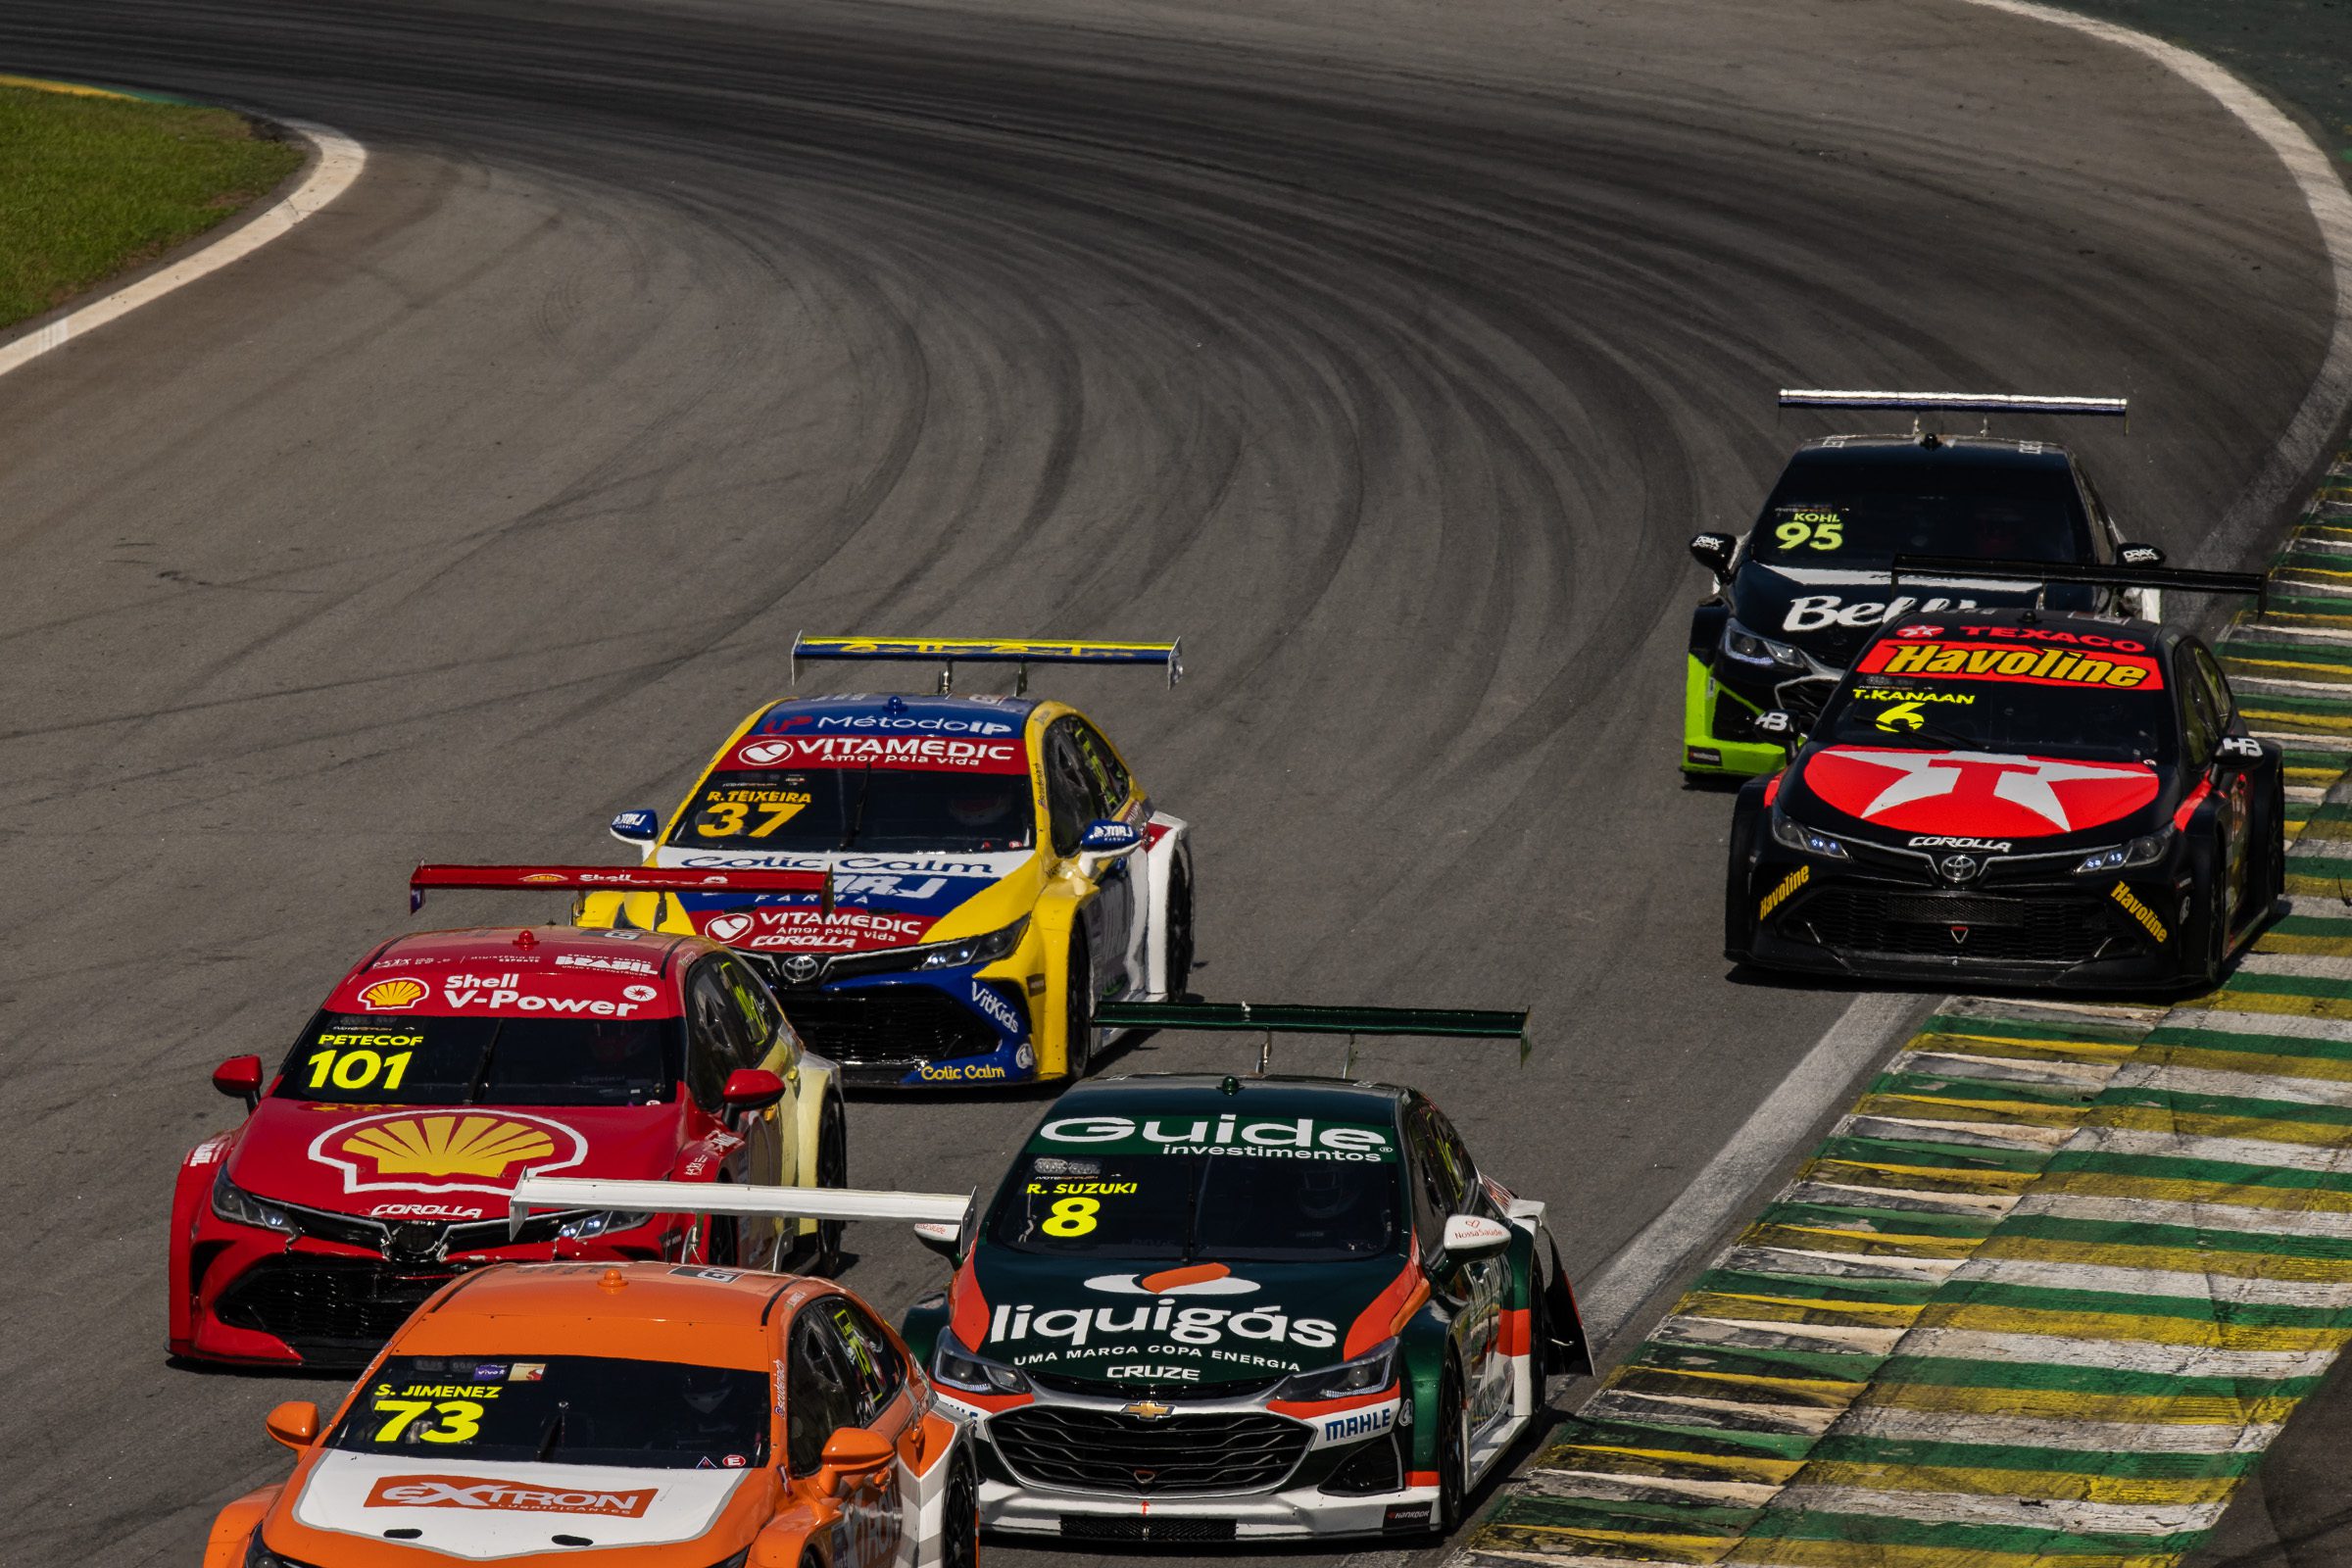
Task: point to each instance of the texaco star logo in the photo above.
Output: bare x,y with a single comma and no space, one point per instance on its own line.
1948,792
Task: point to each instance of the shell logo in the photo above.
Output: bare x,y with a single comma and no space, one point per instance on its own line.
391,996
444,1151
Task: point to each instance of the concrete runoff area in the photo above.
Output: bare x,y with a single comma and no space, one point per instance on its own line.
1388,355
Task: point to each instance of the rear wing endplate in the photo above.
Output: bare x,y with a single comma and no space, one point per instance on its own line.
948,651
617,879
1277,1019
1954,402
539,1194
2096,573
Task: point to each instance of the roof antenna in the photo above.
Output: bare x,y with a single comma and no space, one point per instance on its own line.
946,678
1348,1062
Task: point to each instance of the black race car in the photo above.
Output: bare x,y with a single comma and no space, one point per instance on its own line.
2014,797
1807,585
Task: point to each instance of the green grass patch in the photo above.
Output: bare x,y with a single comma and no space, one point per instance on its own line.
90,186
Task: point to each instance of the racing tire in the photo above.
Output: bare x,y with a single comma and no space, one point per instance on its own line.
1078,1012
1739,931
1454,1455
1177,953
2273,844
2208,869
832,1170
960,1520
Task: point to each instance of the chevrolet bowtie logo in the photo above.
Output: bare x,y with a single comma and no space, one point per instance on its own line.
1149,1411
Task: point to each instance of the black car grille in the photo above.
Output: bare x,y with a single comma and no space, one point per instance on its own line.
887,1026
333,1313
1242,1389
1108,1451
2026,929
418,1238
1086,1527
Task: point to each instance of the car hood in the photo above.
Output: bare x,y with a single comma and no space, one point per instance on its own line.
1978,795
489,1511
439,1163
1829,612
889,900
1205,1323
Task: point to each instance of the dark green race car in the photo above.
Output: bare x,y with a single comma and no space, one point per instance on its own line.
1200,1309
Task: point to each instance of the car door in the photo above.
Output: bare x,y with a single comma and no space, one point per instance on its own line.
771,1137
717,1041
1072,801
834,1379
885,1399
1477,1289
2234,785
1122,880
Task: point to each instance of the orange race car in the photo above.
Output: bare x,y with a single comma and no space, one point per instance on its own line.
670,1415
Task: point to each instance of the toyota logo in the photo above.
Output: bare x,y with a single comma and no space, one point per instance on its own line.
799,969
1957,867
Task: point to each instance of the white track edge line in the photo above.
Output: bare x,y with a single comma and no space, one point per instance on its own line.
2303,445
338,164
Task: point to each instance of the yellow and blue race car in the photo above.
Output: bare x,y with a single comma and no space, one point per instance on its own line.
991,869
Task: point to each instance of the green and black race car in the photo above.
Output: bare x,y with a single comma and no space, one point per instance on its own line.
1200,1309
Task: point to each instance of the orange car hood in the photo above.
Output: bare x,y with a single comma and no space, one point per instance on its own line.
485,1512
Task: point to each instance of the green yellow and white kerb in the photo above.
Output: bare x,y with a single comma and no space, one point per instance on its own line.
2060,1275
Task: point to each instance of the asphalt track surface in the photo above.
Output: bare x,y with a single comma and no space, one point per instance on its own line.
1387,353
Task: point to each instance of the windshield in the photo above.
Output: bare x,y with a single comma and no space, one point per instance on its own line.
2042,698
1215,1208
1849,511
856,808
566,1410
348,1056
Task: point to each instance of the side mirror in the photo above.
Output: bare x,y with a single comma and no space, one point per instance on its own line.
852,1454
240,1078
942,1238
2139,554
294,1423
1713,551
2243,750
1106,835
637,827
1474,1235
752,1089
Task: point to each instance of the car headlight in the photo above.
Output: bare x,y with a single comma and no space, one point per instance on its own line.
1797,836
236,1205
958,1368
979,950
587,1227
2146,850
257,1555
1749,649
1368,1373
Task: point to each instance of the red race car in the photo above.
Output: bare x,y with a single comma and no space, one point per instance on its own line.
376,1165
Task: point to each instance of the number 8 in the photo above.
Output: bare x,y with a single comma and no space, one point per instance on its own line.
1072,1217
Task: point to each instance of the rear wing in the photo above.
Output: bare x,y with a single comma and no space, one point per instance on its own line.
1954,402
617,879
947,652
536,1194
1271,1020
2095,574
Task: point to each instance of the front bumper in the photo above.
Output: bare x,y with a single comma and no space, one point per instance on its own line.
2105,933
1249,1473
257,1301
1719,704
939,1028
